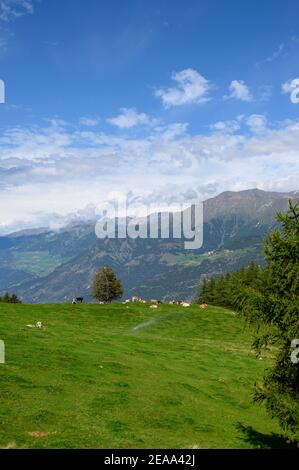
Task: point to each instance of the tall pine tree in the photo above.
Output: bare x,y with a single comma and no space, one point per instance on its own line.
275,308
106,287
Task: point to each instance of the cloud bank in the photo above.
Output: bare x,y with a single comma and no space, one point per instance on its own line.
59,169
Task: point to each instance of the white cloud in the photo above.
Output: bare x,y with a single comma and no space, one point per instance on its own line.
238,90
88,122
12,9
226,126
48,172
191,88
51,43
292,87
276,53
128,118
172,130
265,92
257,123
282,51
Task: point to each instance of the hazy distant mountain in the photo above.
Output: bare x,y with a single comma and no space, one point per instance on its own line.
47,266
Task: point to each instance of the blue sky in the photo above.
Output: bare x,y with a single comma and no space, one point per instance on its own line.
155,99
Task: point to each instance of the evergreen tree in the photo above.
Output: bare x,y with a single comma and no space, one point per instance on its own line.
221,292
14,299
203,291
252,273
275,307
230,290
106,287
269,299
10,299
211,292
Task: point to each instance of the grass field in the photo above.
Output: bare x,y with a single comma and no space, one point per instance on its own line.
128,376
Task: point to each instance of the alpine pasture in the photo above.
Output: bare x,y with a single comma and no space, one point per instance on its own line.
127,376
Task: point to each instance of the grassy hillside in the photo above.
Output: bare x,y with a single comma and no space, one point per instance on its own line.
129,376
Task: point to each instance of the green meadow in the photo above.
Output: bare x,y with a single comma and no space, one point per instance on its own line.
127,376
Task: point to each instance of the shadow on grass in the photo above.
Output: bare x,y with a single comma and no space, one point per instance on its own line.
263,441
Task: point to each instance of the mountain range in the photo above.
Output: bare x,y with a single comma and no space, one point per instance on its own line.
42,265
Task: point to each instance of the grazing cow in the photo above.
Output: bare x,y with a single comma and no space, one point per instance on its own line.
185,304
143,301
202,305
154,301
77,300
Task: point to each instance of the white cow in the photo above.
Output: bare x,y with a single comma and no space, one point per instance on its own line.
185,304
